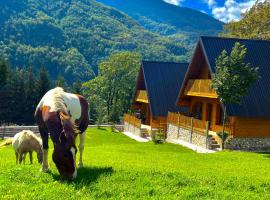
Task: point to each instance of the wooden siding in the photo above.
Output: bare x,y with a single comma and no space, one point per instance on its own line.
200,88
141,96
252,127
132,120
159,123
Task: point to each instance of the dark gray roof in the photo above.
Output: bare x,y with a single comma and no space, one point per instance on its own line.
257,102
163,81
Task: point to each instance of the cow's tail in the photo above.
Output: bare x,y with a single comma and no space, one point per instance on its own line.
6,142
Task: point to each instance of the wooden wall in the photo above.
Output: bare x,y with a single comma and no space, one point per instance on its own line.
251,127
159,122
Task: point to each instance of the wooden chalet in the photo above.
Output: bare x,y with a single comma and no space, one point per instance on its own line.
157,87
251,118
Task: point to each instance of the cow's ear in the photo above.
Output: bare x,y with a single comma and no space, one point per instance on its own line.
67,128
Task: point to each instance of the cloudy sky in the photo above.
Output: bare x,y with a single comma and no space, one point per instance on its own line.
224,10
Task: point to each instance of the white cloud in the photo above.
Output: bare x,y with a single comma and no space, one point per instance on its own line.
231,10
174,2
211,3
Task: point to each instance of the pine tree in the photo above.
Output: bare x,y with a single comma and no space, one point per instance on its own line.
61,82
4,76
43,83
3,73
31,96
77,87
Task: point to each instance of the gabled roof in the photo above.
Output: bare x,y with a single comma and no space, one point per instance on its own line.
257,101
163,81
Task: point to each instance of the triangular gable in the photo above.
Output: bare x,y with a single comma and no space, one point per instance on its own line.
162,81
257,102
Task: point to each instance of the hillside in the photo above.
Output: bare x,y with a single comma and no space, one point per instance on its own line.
70,37
167,19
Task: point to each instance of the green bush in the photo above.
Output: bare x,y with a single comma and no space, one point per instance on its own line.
225,136
157,137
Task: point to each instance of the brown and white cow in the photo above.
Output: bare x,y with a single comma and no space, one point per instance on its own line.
62,115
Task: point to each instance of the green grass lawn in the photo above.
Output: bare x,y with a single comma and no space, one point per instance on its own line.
117,167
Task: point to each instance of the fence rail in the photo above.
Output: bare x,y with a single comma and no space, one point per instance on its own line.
199,126
10,131
132,120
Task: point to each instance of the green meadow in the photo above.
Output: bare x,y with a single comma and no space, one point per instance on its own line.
117,167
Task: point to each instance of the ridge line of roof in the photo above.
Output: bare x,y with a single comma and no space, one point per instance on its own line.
234,38
164,62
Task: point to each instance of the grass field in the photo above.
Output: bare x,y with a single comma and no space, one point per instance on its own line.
117,167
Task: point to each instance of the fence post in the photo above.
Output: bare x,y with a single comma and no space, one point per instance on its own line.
178,125
207,132
4,132
191,129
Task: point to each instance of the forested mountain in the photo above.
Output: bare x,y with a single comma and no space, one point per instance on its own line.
70,37
255,23
178,22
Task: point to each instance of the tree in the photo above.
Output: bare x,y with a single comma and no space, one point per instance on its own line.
31,96
61,82
4,93
77,87
115,84
43,83
233,77
254,25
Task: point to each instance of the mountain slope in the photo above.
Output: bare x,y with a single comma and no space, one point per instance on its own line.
70,37
167,19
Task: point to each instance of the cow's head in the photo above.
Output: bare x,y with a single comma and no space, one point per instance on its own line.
64,154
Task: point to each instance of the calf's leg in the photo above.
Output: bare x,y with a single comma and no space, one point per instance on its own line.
17,157
31,157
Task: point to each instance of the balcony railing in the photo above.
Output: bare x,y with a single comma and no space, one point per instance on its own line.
141,96
200,88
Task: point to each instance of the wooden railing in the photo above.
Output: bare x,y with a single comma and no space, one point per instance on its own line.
200,126
132,120
141,96
229,128
159,124
200,87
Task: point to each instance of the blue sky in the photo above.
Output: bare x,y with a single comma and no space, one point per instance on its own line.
223,10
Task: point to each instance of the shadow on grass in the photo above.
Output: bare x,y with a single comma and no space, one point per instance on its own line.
86,175
102,128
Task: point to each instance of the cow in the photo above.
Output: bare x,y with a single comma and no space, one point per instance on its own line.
63,116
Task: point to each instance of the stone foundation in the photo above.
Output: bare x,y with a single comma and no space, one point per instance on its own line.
174,132
248,144
132,129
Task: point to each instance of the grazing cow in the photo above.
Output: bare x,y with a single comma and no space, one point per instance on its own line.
26,142
64,116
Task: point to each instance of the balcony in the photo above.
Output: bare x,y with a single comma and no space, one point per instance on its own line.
141,96
200,88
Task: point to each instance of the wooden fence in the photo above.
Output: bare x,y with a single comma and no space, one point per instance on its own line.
10,131
132,120
196,124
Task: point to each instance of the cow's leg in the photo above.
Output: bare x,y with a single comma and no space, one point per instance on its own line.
44,136
45,165
81,149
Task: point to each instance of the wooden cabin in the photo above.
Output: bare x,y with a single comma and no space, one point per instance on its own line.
249,120
157,87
